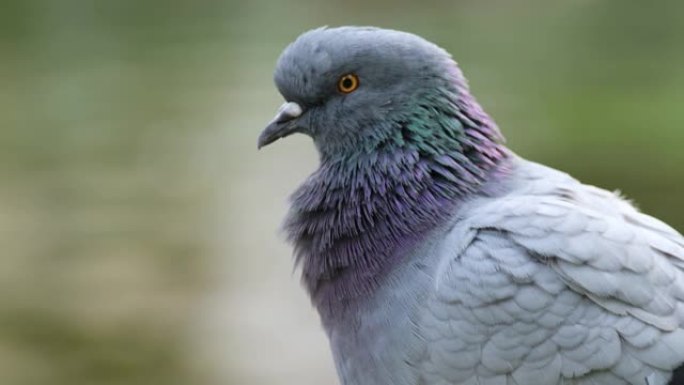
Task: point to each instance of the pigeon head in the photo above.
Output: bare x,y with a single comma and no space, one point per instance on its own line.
401,142
357,89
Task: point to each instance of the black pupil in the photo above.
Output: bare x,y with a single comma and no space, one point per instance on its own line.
347,83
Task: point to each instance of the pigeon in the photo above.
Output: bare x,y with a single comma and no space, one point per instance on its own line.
435,255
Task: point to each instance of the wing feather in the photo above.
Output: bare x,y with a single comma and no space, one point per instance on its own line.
559,283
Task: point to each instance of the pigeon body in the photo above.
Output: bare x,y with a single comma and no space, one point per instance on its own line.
436,256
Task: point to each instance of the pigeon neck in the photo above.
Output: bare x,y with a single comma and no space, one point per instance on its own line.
356,217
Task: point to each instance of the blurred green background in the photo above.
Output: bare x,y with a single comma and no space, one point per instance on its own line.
139,223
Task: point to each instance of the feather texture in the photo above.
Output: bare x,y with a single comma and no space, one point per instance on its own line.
564,289
545,284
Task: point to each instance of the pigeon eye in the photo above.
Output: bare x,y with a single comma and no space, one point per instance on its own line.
348,83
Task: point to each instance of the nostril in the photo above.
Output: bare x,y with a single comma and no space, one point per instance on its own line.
288,111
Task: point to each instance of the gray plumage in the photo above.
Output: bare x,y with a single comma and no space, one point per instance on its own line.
436,256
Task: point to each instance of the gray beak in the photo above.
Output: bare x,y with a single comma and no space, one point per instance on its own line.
284,124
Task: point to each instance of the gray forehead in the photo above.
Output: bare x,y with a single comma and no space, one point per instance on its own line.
326,53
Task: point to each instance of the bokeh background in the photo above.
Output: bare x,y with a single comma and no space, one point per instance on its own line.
138,223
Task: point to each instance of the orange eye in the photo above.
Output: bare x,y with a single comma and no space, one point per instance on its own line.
348,83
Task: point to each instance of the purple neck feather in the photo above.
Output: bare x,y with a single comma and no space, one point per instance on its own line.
354,218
